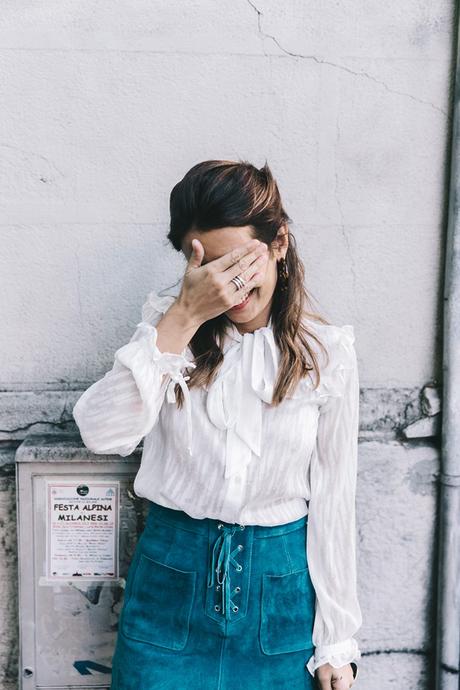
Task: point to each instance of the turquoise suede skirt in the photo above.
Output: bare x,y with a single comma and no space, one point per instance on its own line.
211,605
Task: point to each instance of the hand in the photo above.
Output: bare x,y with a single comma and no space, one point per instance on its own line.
207,291
331,678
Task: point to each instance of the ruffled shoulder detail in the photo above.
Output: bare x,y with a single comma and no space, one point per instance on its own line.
155,306
339,342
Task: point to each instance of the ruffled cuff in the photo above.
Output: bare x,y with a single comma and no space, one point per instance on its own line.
337,655
141,353
155,305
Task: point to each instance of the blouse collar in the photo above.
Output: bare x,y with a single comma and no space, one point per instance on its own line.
233,334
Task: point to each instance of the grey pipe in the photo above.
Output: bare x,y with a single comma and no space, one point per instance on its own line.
448,614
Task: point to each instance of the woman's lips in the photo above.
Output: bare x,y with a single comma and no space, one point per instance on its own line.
242,305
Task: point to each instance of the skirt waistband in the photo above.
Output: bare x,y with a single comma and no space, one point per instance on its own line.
182,520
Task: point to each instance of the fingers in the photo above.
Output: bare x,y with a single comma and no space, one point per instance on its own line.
254,282
341,685
252,275
328,683
246,266
232,257
196,257
341,680
331,678
248,261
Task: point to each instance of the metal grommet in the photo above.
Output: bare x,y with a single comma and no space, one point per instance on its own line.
241,547
217,588
220,525
239,568
237,589
241,527
217,607
235,609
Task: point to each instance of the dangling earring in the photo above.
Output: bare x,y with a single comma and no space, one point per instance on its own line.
283,273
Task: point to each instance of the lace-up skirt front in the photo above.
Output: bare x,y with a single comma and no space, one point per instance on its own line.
211,605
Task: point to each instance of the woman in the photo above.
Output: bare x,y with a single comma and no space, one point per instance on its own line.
244,576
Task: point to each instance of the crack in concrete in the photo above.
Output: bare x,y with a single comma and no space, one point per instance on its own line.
77,261
395,650
342,225
336,65
33,154
58,425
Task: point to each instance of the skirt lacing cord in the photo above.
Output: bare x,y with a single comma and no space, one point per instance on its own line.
221,559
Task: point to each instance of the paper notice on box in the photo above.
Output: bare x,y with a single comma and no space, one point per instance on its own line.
82,529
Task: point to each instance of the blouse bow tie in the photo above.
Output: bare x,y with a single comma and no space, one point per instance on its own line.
234,401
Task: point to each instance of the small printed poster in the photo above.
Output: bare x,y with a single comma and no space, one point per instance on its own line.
82,529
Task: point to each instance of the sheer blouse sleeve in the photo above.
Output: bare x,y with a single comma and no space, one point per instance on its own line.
118,410
331,530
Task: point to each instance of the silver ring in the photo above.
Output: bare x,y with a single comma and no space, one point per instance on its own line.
238,281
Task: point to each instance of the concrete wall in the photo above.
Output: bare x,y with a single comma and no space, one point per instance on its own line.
106,105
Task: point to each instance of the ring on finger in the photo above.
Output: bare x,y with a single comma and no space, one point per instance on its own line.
238,281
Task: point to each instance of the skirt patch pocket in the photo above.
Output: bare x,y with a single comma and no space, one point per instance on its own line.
287,612
160,603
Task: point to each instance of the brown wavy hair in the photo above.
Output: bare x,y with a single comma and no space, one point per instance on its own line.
221,193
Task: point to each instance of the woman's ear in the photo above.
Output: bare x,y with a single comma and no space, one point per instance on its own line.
281,242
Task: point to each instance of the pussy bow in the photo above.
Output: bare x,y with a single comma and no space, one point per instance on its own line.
244,382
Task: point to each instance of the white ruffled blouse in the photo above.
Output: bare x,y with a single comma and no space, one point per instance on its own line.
228,455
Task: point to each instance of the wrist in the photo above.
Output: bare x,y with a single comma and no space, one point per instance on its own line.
181,315
175,330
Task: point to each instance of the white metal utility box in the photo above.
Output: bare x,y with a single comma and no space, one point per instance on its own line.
78,523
